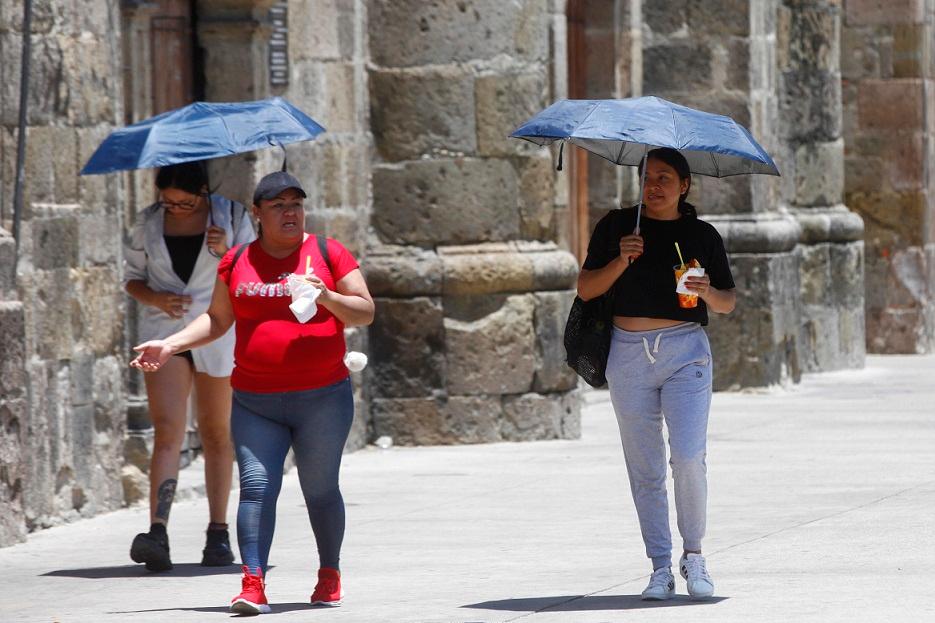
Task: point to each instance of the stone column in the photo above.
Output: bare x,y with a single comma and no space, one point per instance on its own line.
472,290
234,35
718,56
812,155
65,341
888,66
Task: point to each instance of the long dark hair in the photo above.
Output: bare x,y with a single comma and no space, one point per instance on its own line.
677,161
192,177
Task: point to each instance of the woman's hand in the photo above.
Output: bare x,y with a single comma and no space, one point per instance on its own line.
325,294
631,247
699,285
175,305
216,240
152,355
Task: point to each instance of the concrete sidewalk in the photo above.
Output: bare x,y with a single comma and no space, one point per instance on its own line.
820,509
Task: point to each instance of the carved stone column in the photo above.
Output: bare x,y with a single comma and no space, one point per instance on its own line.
472,291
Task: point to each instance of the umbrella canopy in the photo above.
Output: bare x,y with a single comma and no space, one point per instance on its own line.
623,130
201,131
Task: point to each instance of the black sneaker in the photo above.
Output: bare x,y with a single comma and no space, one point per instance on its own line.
217,551
152,548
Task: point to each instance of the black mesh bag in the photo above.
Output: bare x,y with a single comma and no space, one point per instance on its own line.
587,337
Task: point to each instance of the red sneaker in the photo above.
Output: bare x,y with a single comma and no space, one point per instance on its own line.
252,597
328,590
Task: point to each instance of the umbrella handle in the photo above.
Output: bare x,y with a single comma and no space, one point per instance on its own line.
639,201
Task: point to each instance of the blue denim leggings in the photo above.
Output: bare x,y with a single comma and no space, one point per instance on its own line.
315,423
655,377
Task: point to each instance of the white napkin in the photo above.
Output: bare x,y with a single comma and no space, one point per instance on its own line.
303,297
355,361
691,272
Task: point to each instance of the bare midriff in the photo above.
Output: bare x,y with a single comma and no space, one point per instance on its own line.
629,323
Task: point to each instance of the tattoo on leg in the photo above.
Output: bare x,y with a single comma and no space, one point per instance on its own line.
164,497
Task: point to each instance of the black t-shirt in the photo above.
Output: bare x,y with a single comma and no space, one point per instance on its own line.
184,252
647,288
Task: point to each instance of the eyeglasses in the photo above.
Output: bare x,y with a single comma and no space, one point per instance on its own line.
181,205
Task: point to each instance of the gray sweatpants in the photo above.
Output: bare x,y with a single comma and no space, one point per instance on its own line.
654,376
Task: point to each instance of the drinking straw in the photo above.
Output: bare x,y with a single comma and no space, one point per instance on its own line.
679,251
308,263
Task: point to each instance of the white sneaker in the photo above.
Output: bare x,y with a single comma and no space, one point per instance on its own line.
692,568
661,585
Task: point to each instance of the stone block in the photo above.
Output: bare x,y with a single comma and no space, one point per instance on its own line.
13,377
485,269
530,417
7,261
552,373
904,158
815,275
895,331
394,271
55,242
891,104
317,38
135,485
98,310
537,188
892,220
846,262
813,39
875,12
493,355
407,343
860,56
819,173
501,103
737,61
665,18
99,240
460,201
405,33
428,112
430,421
329,92
909,43
50,296
137,449
719,18
810,105
757,344
694,61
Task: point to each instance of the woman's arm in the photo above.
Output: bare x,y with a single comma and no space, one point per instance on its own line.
204,329
350,301
174,305
593,283
718,301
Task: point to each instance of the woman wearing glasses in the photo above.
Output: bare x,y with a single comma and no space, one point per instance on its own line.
171,265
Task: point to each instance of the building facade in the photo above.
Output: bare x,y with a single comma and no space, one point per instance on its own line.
470,241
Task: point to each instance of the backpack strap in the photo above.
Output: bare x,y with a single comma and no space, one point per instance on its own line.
240,249
323,249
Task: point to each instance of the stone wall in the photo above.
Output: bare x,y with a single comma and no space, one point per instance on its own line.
62,319
888,67
830,250
794,247
472,291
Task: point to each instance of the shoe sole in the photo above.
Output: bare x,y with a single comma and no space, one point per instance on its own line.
155,557
214,560
242,606
329,604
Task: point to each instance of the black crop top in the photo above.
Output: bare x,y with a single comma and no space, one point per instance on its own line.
647,288
184,252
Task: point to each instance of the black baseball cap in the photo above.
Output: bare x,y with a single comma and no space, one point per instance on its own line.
273,184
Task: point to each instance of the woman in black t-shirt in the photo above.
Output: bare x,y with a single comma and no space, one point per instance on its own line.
659,368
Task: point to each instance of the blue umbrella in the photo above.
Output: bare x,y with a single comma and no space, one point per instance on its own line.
625,130
201,131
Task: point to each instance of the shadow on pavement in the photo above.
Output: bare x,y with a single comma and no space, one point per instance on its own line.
573,603
184,570
274,609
